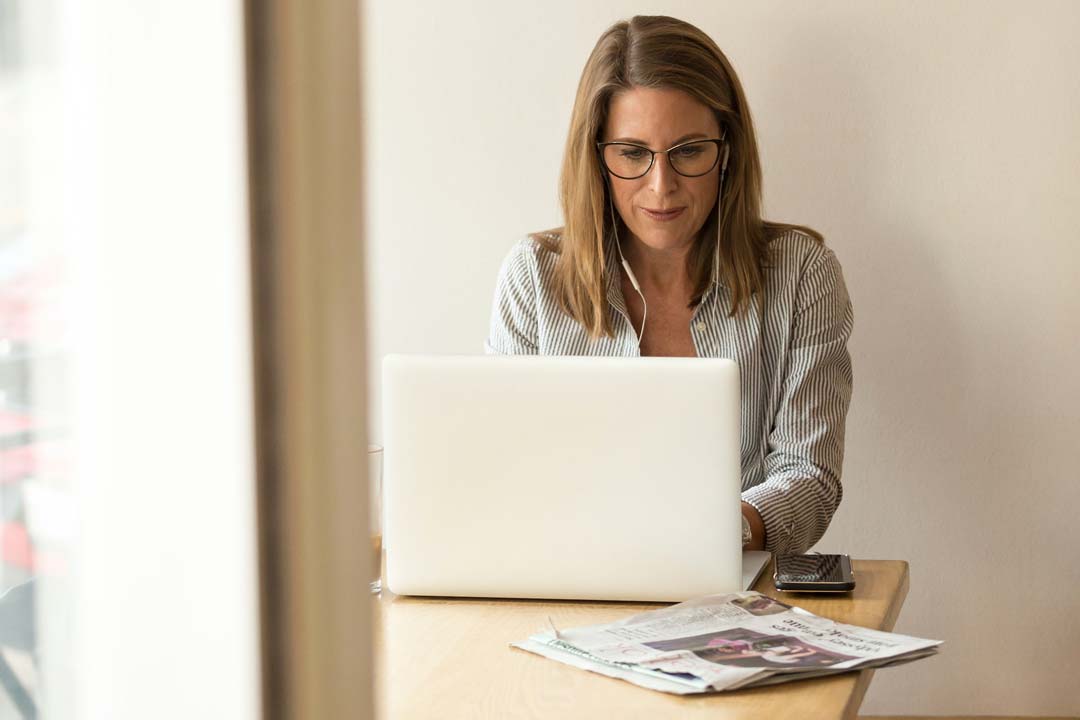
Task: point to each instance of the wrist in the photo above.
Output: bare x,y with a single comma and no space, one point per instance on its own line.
752,520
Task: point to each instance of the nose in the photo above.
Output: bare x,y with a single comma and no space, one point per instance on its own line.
662,178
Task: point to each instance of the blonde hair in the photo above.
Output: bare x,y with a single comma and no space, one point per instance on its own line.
658,52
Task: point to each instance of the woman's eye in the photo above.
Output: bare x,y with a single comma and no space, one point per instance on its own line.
632,153
690,151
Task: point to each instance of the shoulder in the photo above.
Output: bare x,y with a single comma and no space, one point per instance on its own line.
532,257
805,276
529,265
798,249
795,255
534,248
545,246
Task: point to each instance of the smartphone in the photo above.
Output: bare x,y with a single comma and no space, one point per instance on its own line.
814,573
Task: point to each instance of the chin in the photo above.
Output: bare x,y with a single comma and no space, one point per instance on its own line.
664,240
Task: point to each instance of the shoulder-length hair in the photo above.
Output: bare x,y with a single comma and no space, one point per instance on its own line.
658,52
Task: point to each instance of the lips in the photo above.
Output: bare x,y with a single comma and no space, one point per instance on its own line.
663,214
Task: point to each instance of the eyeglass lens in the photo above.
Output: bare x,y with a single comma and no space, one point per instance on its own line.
632,161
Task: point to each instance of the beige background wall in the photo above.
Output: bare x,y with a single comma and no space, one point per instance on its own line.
937,147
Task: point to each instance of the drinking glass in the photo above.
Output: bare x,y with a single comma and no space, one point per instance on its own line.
375,465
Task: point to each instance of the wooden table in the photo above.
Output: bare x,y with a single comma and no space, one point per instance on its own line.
450,658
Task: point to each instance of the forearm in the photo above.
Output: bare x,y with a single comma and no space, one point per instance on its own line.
794,511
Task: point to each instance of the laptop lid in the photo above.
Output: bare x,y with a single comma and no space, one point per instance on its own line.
561,477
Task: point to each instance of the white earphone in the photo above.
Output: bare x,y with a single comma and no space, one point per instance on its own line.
630,274
719,210
626,265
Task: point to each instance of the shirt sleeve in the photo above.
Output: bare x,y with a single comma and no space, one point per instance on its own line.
802,489
513,312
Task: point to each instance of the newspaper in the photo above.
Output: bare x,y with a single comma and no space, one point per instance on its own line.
725,642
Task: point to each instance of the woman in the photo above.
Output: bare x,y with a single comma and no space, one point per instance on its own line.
664,252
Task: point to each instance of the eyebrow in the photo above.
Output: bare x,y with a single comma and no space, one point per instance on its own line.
684,138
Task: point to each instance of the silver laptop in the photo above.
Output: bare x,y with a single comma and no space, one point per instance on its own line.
563,477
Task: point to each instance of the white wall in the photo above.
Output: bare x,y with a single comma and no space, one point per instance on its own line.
937,147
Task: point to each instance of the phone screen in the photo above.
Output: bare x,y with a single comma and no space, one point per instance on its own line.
813,569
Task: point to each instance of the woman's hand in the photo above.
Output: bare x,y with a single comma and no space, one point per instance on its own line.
757,527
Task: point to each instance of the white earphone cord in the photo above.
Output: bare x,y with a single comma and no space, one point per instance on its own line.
629,272
720,212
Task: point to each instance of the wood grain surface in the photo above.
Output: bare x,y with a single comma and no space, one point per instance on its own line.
450,658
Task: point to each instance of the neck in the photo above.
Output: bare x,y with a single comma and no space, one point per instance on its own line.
663,270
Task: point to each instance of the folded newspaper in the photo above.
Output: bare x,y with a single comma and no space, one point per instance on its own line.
725,642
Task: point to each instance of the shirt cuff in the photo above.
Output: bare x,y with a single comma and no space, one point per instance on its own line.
777,515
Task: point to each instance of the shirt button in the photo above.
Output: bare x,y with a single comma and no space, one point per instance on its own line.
700,326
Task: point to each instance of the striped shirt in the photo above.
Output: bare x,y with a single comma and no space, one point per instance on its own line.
794,368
